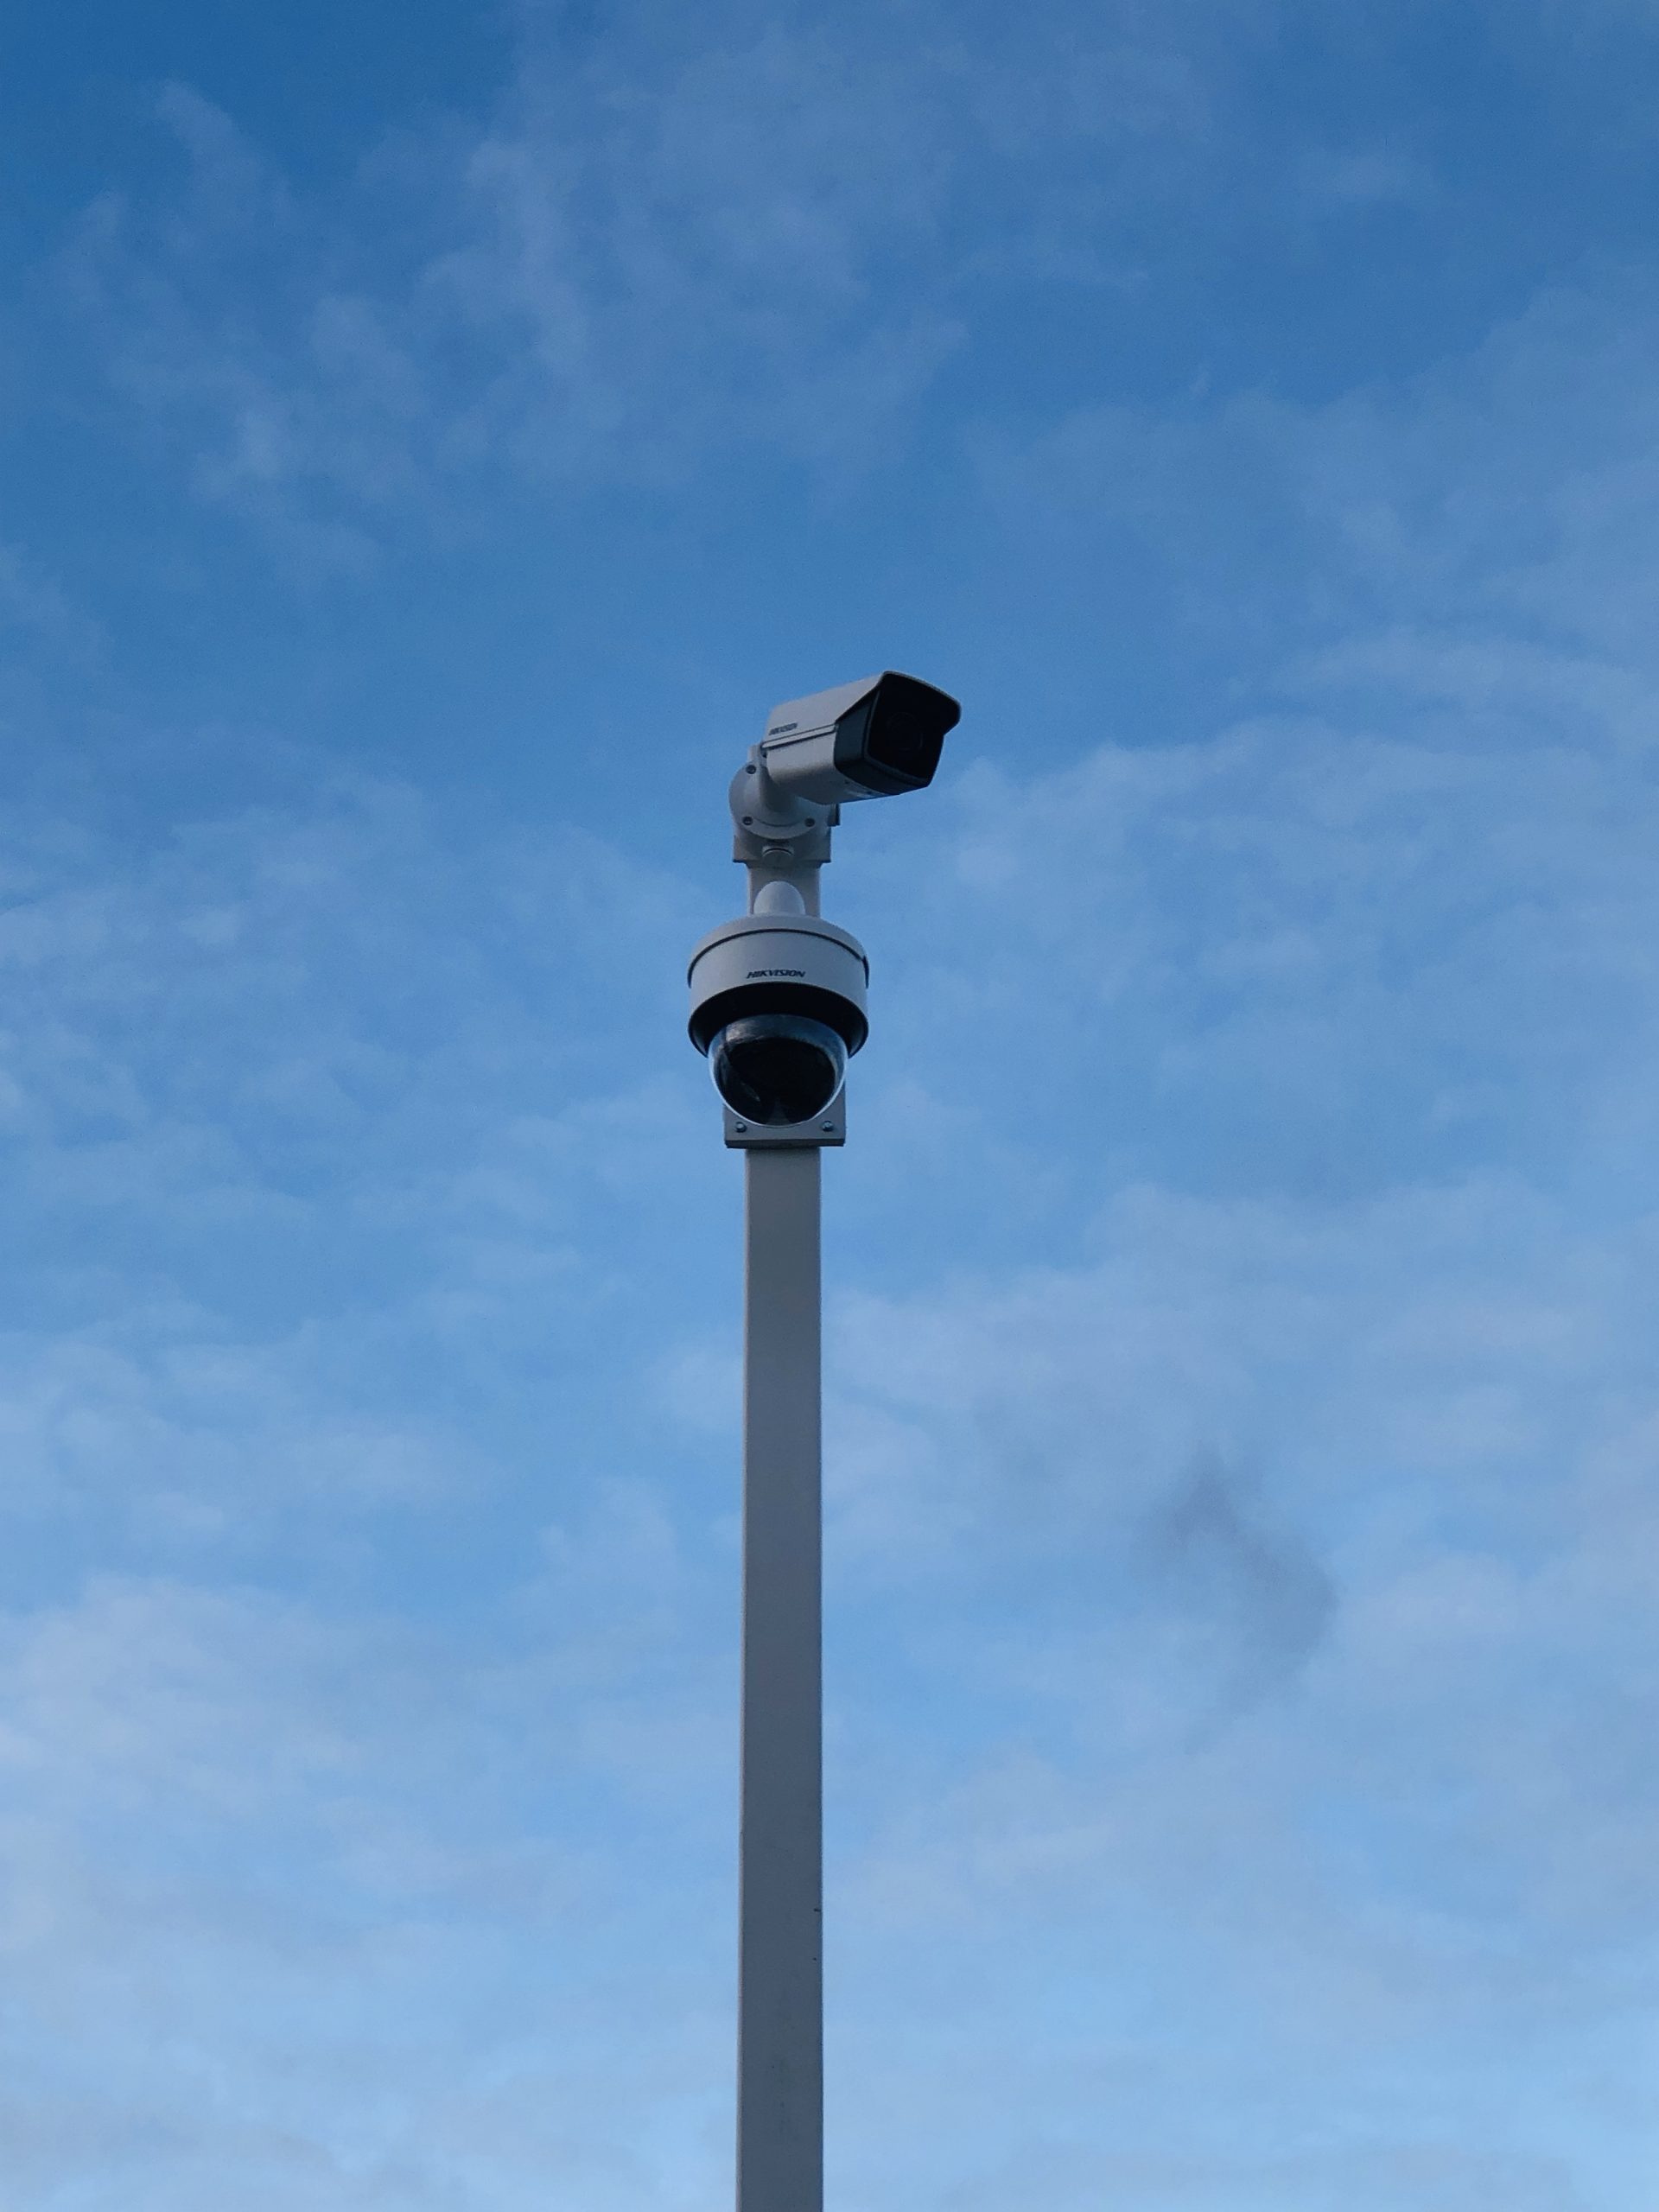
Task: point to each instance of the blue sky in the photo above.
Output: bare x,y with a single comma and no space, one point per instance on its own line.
431,438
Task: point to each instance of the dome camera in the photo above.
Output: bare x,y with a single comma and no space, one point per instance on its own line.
778,1005
778,1068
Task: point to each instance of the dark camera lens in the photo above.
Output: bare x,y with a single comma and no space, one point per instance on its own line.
778,1068
892,742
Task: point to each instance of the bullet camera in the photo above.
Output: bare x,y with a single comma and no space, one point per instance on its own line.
777,1006
868,740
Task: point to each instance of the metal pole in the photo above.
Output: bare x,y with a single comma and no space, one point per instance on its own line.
780,1870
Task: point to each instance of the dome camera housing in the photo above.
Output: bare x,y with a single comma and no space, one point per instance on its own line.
778,1005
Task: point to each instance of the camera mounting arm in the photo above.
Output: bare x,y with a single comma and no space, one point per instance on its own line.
778,837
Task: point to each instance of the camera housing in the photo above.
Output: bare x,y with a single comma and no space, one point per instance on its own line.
777,1006
869,740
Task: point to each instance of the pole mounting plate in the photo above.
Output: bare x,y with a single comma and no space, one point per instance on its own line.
829,1128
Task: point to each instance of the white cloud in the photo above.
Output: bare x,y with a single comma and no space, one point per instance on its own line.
1368,177
294,1902
657,246
293,1099
1493,504
34,603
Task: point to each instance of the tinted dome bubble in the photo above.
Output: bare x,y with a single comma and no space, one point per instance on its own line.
778,1068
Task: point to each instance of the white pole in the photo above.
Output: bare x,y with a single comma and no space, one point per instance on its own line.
780,1913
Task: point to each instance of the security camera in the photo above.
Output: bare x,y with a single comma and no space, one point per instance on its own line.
777,995
868,740
778,1005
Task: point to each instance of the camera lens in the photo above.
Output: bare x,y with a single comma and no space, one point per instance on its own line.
892,740
778,1068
